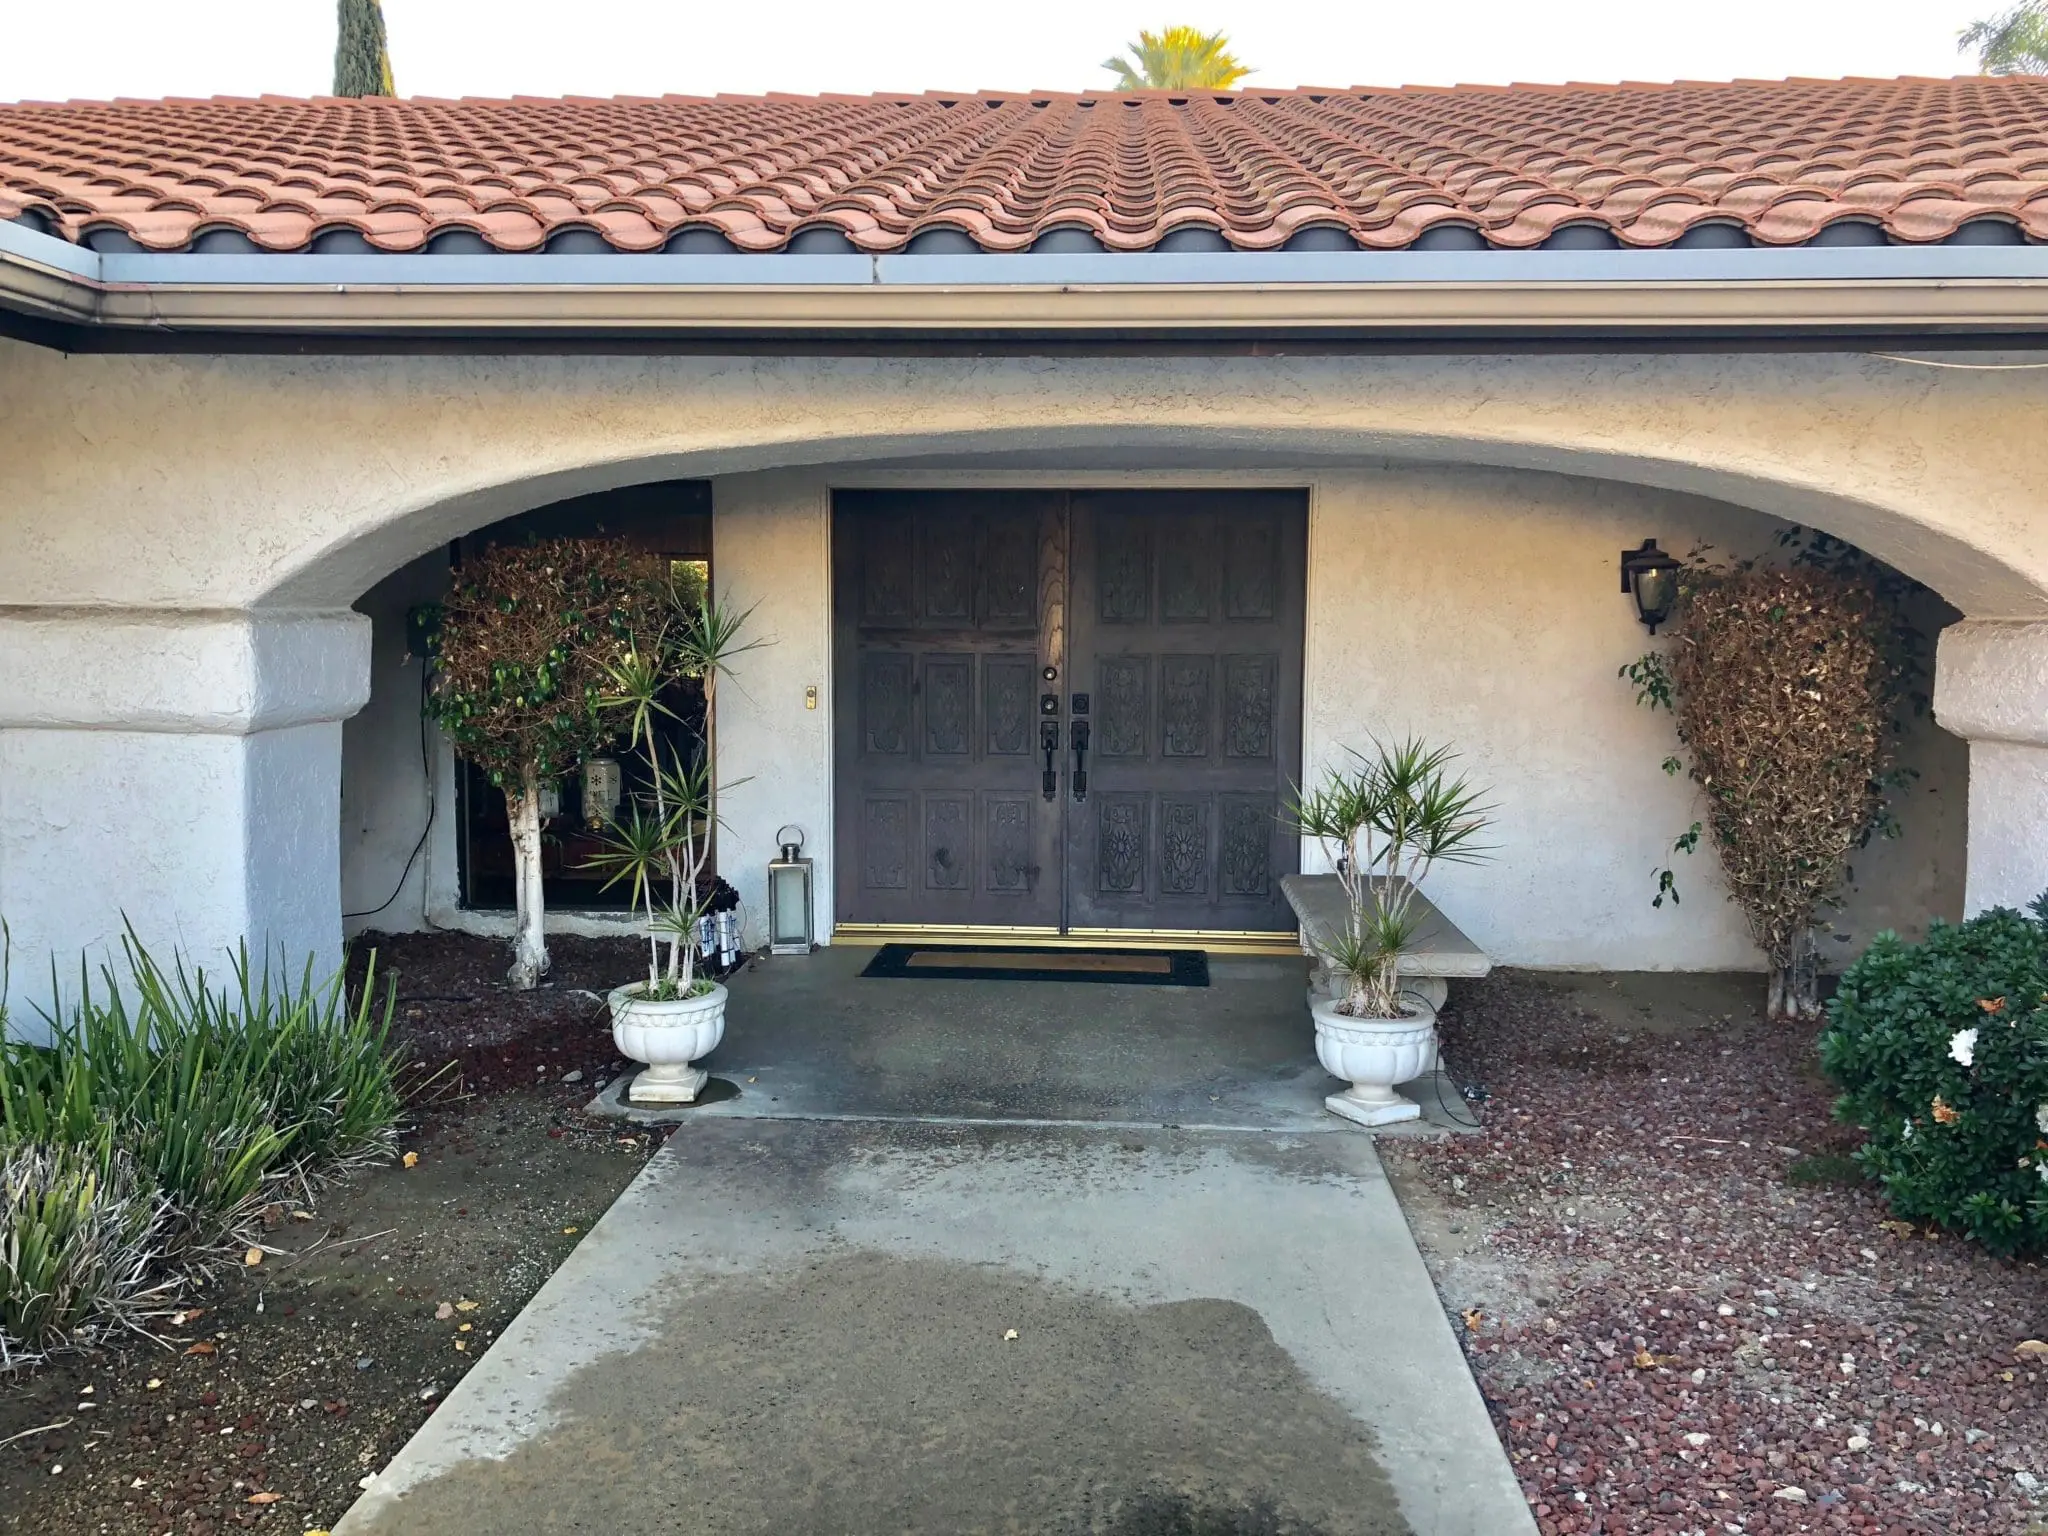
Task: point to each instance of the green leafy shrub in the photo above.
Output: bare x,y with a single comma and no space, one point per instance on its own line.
81,1234
214,1093
1941,1049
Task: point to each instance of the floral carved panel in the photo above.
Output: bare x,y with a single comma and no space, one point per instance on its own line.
1006,705
885,842
1120,844
1007,835
1123,573
1184,846
948,569
948,706
1009,567
1251,572
1246,851
948,841
1184,705
1123,706
888,591
1248,705
886,690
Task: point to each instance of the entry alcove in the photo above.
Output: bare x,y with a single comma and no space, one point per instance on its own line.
399,801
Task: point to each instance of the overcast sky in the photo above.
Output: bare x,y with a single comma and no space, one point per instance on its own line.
55,50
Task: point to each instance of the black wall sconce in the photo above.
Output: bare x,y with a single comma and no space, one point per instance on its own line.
1650,576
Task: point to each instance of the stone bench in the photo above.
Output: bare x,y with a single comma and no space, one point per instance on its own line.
1439,953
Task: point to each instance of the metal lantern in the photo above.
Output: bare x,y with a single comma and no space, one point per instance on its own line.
789,896
1650,576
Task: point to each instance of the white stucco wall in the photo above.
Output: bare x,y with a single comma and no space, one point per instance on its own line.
386,795
771,551
161,510
1477,607
300,482
1482,609
197,841
174,772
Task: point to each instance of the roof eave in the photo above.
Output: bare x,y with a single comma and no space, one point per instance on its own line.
1934,290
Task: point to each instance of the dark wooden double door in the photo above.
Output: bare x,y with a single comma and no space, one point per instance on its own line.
1067,711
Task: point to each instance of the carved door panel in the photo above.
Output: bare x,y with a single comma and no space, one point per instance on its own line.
944,603
1185,626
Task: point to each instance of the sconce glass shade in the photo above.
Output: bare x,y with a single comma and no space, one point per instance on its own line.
1650,576
789,907
602,786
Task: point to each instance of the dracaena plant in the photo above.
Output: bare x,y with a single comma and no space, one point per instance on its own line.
1385,819
659,846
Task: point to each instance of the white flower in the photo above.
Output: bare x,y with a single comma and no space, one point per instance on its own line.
2041,1118
1963,1046
1906,1132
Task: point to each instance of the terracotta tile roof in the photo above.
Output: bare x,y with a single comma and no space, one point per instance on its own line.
1637,165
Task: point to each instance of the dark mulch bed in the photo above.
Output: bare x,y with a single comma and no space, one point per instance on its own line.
331,1353
1687,1311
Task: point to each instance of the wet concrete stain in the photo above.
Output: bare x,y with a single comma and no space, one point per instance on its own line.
867,1393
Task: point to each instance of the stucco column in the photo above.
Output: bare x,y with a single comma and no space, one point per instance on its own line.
1991,689
181,770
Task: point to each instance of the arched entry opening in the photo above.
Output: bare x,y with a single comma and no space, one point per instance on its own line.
222,654
1507,641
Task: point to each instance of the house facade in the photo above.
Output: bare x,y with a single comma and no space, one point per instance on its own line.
1093,467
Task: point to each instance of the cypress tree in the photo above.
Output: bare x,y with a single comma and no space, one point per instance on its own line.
362,61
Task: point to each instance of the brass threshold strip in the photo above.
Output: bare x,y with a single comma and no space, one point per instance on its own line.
1215,941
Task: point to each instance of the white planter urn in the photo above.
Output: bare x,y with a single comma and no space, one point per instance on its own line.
667,1035
1372,1055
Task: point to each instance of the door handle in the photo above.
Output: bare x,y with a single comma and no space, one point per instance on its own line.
1080,738
1049,742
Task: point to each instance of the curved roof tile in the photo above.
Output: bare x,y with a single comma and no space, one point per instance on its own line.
1783,159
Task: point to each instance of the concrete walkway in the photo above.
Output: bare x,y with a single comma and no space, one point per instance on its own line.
790,1326
798,1319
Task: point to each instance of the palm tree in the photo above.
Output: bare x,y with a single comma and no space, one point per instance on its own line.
2015,43
1178,59
362,61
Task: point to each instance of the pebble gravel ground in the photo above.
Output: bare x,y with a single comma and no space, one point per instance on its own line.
1687,1312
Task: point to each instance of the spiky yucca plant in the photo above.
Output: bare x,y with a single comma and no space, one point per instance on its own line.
660,846
1384,821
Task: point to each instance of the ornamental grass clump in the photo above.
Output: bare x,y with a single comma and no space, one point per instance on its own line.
161,1092
1941,1051
82,1238
1784,685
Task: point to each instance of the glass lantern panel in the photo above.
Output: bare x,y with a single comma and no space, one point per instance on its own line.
789,905
1655,591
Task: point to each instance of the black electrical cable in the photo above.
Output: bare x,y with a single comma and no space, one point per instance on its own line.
426,772
1461,1116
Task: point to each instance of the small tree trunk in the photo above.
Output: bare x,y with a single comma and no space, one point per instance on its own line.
529,935
1794,992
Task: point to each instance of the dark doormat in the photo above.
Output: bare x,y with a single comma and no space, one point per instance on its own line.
991,962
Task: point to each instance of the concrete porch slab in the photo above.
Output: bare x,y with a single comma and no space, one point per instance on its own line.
801,1326
809,1037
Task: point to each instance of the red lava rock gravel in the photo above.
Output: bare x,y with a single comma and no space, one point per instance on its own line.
1673,1335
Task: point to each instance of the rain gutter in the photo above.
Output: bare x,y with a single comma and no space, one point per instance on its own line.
145,299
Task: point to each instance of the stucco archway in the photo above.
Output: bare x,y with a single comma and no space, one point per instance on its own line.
249,501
